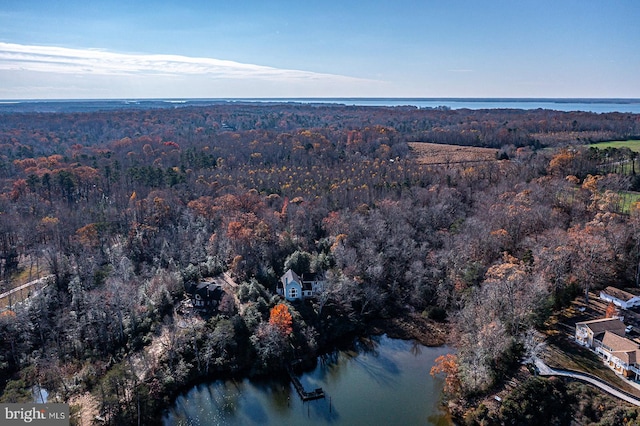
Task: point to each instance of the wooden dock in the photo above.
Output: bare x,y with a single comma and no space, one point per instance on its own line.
317,393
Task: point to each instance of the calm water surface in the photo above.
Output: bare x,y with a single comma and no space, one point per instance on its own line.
382,381
589,105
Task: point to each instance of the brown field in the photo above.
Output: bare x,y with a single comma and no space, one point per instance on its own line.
434,153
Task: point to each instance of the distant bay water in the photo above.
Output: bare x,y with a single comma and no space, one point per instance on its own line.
588,105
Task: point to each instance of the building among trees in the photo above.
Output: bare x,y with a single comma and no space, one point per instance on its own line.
295,287
205,295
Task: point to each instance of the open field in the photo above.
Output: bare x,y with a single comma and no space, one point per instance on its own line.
633,145
434,153
617,164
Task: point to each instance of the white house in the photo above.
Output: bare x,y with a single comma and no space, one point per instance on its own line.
606,337
295,287
589,332
620,298
620,353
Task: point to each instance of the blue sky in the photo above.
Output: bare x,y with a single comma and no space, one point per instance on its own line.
399,48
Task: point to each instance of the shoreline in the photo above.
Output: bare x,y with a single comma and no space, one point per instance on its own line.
412,327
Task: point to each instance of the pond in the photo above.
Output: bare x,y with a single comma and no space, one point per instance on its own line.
381,381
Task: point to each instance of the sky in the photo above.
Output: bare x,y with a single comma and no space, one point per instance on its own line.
90,49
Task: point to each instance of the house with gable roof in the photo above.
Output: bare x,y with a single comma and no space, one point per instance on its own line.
295,287
588,332
619,297
606,338
205,295
620,353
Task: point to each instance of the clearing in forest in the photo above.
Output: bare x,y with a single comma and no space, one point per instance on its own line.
632,144
435,153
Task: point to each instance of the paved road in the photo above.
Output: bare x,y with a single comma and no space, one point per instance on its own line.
545,370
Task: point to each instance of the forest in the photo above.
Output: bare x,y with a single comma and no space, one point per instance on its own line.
120,210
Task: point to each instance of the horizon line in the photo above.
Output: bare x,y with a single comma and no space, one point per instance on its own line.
260,98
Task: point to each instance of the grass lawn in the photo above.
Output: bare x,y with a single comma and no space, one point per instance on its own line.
633,145
629,200
565,354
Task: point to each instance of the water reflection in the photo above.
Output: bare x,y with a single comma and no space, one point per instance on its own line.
40,394
379,381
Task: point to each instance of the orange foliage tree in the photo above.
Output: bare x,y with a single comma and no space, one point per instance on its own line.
612,311
88,235
448,364
280,317
564,163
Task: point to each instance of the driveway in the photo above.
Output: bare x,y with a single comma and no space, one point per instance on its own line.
545,370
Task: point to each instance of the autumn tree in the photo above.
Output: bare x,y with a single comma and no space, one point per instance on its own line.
612,311
513,294
448,365
280,317
119,203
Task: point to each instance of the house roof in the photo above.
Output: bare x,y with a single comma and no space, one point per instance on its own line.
622,348
604,324
309,277
290,276
206,289
628,357
617,343
618,293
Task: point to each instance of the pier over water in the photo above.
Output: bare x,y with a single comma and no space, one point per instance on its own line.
317,393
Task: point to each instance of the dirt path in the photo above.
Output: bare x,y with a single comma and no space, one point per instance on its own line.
230,287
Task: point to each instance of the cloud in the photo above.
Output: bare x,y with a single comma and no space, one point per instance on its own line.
47,72
61,60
